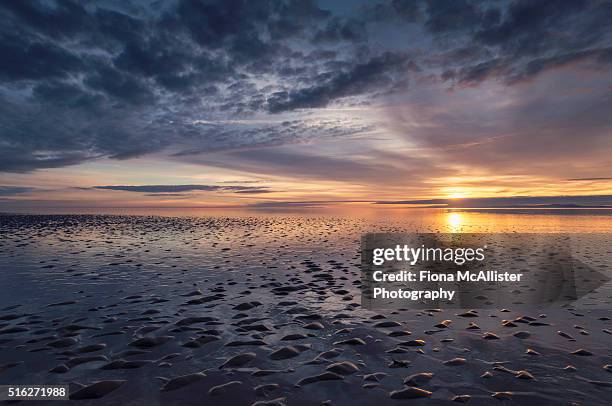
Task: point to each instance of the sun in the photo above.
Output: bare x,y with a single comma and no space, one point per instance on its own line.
455,192
456,196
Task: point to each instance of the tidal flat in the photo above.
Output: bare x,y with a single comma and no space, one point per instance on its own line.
265,310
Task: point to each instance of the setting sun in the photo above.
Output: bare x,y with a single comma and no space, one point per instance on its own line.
457,196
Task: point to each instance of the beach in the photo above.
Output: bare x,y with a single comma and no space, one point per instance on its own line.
265,309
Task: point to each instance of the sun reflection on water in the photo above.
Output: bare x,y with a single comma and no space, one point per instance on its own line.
455,221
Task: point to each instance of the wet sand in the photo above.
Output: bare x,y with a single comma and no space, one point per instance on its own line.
266,311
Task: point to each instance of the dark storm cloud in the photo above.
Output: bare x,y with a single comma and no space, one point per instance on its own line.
34,60
61,93
458,15
530,27
339,30
509,72
64,18
523,37
88,80
373,74
121,86
403,10
121,80
171,189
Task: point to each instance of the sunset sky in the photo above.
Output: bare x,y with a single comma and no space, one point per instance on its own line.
221,103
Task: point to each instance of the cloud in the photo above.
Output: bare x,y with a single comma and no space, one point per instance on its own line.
331,161
297,204
120,80
181,195
525,38
451,16
167,190
373,75
588,179
338,30
34,60
531,129
119,85
513,202
254,191
14,190
532,27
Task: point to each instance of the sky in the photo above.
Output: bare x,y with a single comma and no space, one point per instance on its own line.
287,102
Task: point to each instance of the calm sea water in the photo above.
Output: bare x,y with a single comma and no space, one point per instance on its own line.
408,219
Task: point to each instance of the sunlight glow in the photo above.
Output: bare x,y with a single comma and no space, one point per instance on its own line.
455,221
457,196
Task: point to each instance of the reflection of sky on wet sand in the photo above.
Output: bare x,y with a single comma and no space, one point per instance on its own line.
404,219
114,268
90,247
110,248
